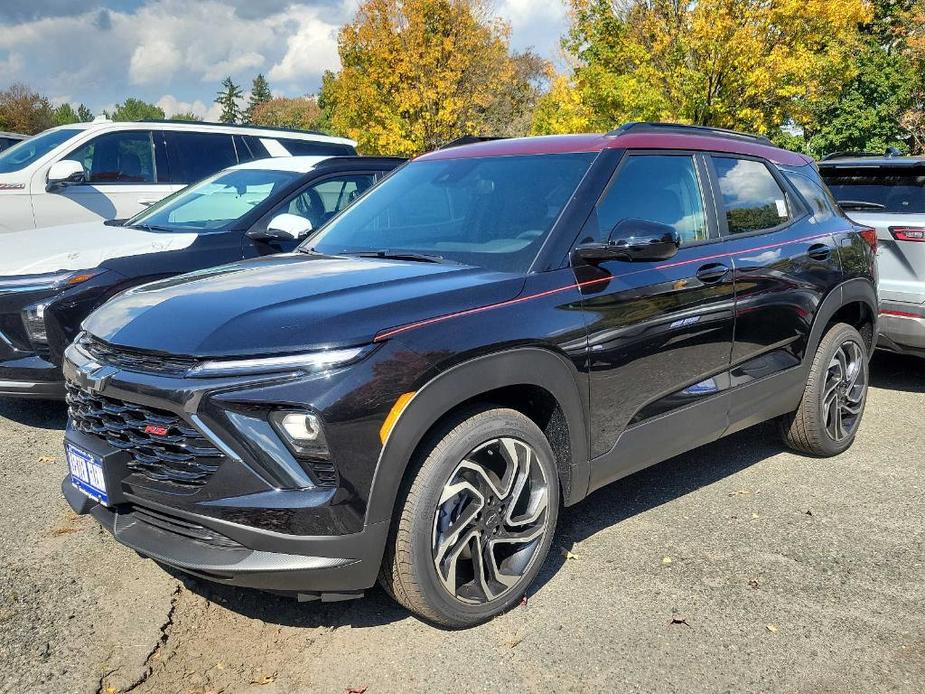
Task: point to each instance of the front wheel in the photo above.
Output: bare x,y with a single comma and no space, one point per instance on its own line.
477,520
829,414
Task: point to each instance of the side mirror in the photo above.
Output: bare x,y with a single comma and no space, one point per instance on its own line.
283,227
633,240
64,172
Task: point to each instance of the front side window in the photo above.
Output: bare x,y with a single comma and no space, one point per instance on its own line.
215,204
492,212
752,198
118,157
20,155
193,156
321,201
654,188
893,190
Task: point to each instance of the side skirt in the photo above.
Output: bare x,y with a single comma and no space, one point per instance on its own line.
679,431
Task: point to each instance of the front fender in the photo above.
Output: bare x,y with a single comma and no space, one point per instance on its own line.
531,366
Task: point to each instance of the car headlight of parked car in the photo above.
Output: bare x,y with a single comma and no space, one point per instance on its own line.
308,362
33,316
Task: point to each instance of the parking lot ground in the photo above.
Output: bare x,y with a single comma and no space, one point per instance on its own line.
737,567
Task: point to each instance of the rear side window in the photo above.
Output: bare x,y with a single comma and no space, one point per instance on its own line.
816,196
193,156
880,190
752,198
125,156
310,148
655,188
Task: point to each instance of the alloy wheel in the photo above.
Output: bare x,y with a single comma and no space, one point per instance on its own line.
490,521
844,392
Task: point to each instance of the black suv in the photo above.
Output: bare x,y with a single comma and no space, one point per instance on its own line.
491,333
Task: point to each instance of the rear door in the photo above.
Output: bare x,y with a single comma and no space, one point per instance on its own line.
660,333
785,262
191,156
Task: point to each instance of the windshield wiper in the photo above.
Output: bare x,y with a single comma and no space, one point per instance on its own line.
399,255
149,227
860,205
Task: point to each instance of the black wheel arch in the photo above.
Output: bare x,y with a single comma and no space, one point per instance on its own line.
524,366
858,291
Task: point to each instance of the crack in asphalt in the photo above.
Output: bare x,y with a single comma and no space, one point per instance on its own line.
148,666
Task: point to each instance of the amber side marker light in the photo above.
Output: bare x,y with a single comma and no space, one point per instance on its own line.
392,418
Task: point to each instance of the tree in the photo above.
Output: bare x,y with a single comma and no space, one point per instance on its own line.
260,94
228,98
187,116
302,113
746,64
135,109
418,73
84,114
25,111
65,114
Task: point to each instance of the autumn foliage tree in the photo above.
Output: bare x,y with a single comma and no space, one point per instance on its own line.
418,73
302,113
747,64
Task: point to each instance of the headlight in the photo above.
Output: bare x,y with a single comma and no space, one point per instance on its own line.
309,362
51,280
302,431
33,320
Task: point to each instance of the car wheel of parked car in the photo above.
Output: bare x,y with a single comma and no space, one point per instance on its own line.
477,519
830,413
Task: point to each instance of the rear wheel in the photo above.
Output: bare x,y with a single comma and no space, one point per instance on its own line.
477,520
830,412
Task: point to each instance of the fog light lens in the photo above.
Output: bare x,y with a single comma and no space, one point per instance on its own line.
303,432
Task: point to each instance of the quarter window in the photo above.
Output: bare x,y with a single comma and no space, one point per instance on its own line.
299,148
752,198
125,156
654,188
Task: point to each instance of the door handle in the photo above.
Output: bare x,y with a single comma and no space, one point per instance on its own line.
712,273
819,251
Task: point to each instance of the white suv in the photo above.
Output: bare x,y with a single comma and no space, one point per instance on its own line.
107,170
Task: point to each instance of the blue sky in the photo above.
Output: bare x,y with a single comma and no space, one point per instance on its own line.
175,52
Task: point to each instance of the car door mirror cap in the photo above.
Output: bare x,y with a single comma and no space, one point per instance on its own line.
634,240
63,173
284,227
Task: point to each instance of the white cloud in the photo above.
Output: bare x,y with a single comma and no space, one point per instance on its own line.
310,50
172,106
154,62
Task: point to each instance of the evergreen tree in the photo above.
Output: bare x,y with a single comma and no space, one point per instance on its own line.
84,114
228,98
260,94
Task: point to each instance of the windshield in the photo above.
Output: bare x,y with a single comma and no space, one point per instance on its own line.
216,203
19,156
881,190
491,212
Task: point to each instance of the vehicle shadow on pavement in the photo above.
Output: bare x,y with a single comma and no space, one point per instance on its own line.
43,414
897,372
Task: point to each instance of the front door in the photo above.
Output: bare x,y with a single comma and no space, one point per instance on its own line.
660,333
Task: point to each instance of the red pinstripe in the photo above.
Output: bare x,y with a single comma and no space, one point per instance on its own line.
385,334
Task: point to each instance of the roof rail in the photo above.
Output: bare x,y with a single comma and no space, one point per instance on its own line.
468,140
235,125
681,128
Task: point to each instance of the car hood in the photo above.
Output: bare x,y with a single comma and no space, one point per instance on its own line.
291,303
80,247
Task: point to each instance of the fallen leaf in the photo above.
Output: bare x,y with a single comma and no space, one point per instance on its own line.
679,620
772,628
46,460
264,679
523,601
356,690
515,642
741,492
755,515
568,555
666,561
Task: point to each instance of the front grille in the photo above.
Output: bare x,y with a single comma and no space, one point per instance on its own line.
182,456
136,360
181,526
325,473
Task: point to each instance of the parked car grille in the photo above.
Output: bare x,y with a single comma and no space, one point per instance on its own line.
136,360
181,526
181,456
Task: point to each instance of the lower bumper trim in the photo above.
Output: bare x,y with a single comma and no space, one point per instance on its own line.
37,390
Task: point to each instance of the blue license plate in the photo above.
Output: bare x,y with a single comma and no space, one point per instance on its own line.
87,473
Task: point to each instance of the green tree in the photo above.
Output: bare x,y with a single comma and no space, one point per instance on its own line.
65,114
134,110
187,116
228,98
84,114
260,94
23,110
302,113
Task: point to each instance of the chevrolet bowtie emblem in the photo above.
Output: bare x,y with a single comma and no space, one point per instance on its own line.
95,375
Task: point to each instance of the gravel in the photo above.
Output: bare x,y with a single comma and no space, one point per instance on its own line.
739,566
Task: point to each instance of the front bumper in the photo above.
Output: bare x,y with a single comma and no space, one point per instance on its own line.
31,376
902,327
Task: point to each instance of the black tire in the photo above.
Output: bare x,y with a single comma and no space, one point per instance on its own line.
810,428
423,524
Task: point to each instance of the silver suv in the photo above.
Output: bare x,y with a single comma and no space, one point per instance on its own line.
887,192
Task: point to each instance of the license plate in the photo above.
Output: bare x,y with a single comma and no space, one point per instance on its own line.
87,473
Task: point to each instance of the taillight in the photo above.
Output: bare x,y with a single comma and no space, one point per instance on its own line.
908,233
869,235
